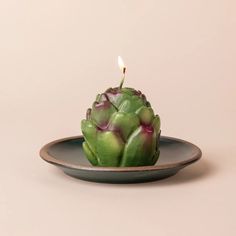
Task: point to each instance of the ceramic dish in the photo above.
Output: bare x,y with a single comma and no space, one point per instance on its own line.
68,155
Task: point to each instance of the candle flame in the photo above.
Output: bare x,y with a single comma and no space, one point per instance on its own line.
121,64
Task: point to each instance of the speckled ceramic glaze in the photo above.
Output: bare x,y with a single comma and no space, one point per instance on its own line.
68,155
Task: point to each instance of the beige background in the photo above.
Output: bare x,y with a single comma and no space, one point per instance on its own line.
55,56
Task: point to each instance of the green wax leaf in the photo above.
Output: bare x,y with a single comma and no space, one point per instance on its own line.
109,148
98,97
156,123
131,105
101,113
125,106
118,98
124,123
137,102
89,154
90,132
145,114
129,91
140,148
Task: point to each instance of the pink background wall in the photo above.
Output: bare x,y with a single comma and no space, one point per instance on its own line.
55,56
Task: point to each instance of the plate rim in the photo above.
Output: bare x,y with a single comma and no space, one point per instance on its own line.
52,160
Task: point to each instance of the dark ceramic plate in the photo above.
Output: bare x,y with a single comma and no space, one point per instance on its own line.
67,154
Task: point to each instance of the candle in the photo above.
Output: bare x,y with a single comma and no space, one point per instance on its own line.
121,129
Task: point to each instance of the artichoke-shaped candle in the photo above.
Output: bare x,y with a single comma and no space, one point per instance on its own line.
121,129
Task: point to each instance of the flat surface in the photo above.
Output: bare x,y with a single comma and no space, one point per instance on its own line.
67,154
55,56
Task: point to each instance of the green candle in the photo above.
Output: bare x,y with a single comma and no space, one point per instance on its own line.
121,129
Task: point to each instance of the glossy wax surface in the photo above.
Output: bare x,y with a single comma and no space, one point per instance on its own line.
121,129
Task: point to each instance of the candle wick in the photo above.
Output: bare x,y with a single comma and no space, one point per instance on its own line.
123,78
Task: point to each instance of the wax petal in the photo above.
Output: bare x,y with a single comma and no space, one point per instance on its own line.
156,123
101,113
124,123
140,148
109,148
89,154
145,114
90,132
131,105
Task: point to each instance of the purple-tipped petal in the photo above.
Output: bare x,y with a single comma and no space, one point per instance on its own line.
88,114
140,148
101,113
